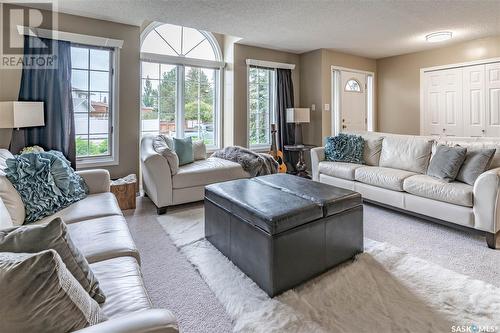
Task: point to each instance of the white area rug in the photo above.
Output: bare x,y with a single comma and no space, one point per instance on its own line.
383,290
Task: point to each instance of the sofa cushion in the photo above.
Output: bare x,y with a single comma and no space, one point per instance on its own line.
428,187
338,169
406,153
372,150
103,238
53,235
93,206
391,179
10,197
39,294
446,162
209,171
121,280
5,220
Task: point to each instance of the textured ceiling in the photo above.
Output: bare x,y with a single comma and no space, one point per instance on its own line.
374,29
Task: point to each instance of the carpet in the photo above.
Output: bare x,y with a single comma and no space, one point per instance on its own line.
384,289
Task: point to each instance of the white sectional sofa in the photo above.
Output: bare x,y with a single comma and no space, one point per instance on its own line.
395,176
188,184
98,228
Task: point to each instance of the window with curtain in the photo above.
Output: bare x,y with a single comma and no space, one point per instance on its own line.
261,105
92,92
180,79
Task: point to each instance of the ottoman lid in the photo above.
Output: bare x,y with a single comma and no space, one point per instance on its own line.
264,206
333,199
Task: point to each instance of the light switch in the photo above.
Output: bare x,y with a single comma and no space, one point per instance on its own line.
327,107
313,107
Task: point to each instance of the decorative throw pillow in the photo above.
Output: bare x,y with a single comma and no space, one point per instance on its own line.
46,183
446,162
39,294
53,235
161,146
199,150
345,148
476,162
184,149
372,150
8,193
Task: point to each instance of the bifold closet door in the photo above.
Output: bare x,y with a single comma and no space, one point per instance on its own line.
474,101
434,120
493,99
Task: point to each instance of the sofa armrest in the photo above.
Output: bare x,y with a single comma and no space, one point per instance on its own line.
98,180
147,321
156,174
487,201
317,155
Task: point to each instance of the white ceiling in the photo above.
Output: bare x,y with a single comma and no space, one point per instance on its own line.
373,29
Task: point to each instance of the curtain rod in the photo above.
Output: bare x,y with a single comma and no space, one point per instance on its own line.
70,37
269,64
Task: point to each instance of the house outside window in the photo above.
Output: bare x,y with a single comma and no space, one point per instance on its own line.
180,83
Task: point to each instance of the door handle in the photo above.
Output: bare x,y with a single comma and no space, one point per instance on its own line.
344,126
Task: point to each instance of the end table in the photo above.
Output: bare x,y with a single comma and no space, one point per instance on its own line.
301,164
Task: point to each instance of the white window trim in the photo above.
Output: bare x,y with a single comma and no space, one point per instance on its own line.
113,159
260,147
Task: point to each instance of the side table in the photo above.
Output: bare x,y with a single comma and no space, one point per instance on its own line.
301,164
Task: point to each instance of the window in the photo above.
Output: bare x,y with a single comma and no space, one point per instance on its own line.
260,105
352,85
92,92
180,76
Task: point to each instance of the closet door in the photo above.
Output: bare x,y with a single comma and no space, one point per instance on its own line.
474,100
452,102
433,117
493,99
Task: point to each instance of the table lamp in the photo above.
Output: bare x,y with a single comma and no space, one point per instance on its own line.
298,116
19,115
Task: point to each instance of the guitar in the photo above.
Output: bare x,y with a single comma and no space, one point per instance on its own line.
275,153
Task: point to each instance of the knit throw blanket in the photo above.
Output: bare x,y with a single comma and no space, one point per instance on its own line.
256,164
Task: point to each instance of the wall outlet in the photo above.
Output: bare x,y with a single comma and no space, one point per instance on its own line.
327,107
313,107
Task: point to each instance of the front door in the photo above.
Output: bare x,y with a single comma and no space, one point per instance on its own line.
353,101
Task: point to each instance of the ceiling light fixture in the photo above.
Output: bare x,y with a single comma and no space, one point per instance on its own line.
437,37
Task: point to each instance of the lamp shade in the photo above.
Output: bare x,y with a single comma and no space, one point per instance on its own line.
21,114
297,115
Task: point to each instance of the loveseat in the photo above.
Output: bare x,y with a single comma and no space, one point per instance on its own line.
394,175
188,184
97,227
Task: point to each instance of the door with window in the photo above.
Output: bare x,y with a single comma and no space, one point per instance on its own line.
353,101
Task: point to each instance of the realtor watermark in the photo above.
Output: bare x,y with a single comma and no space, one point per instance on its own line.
36,19
474,328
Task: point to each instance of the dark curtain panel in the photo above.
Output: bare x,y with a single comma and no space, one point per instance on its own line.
53,87
284,100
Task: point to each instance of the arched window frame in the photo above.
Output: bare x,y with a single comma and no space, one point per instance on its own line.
181,62
350,90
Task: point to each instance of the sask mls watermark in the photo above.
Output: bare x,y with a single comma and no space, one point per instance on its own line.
36,19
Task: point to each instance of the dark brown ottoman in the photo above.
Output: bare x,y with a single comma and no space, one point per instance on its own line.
282,230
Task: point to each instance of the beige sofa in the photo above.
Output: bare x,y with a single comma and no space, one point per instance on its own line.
188,184
395,176
99,230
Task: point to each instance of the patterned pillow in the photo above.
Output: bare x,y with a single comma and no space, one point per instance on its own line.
345,148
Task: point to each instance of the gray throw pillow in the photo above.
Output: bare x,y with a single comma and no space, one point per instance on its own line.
446,162
184,149
476,162
372,150
39,294
53,235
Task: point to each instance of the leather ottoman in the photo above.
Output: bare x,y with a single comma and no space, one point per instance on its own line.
282,230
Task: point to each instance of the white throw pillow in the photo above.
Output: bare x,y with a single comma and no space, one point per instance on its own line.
9,195
162,145
199,150
5,220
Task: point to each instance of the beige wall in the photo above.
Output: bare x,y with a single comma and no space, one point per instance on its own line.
399,81
241,53
316,87
129,83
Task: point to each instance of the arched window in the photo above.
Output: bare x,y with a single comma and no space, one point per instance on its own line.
180,75
353,85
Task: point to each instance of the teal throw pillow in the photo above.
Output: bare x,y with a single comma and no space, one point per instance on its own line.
184,150
345,148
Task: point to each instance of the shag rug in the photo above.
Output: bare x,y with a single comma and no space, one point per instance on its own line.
382,290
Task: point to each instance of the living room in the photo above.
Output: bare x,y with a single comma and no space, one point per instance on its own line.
211,166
